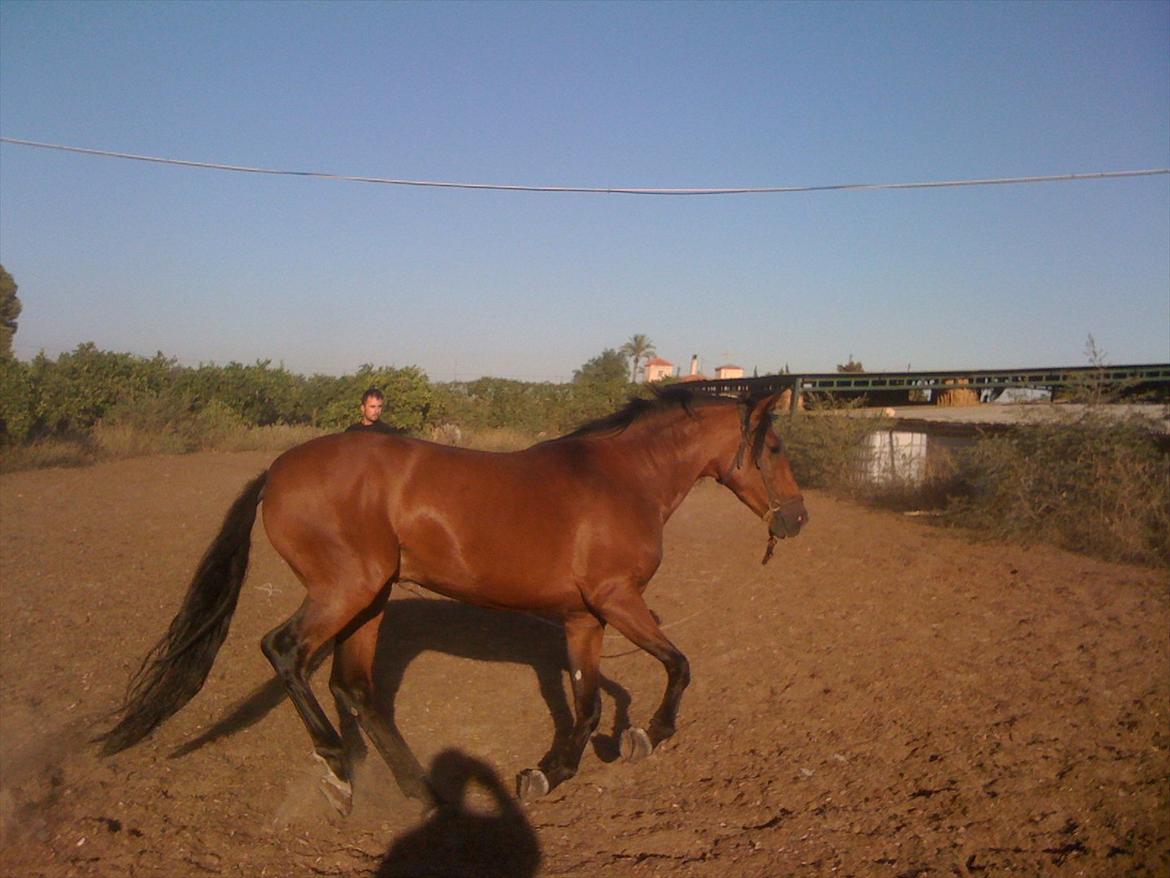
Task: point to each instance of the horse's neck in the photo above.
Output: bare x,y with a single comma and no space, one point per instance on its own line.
665,457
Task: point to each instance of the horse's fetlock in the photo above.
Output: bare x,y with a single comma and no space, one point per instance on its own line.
660,731
334,760
594,721
559,773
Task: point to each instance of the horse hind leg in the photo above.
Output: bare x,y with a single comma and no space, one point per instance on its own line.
290,648
353,687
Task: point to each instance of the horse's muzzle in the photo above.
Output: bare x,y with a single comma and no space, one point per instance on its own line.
787,519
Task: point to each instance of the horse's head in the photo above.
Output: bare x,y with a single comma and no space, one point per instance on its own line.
761,476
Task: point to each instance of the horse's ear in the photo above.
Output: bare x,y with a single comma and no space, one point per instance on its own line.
762,408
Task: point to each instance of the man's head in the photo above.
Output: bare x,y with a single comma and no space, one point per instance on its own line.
372,402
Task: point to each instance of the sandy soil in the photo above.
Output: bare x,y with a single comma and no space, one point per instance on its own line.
884,698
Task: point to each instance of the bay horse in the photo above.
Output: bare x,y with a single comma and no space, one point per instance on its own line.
569,529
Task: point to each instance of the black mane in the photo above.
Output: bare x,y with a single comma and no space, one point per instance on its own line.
669,397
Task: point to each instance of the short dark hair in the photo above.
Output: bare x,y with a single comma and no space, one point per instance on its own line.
373,393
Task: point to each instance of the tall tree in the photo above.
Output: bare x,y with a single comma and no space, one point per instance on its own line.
608,367
599,386
9,311
636,348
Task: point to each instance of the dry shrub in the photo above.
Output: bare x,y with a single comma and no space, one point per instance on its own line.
45,453
496,439
825,445
445,433
1089,482
163,424
155,425
114,441
211,430
276,438
830,450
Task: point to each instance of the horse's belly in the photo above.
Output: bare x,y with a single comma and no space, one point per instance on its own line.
492,577
549,597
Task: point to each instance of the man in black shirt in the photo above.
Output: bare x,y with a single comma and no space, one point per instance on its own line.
372,402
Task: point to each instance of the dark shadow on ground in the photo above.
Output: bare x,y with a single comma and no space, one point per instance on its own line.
462,841
413,626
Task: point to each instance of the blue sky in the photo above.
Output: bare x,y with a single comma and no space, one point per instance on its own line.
323,276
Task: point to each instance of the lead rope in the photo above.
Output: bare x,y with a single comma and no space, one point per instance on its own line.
773,505
768,549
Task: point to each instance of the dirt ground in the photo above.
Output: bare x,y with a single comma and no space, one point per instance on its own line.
885,698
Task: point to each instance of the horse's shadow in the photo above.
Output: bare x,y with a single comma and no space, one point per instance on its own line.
413,626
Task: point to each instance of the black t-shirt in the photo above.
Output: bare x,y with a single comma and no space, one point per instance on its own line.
376,427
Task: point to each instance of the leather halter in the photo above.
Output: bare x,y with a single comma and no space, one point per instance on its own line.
757,443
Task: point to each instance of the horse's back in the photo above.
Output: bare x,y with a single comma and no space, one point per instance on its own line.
346,484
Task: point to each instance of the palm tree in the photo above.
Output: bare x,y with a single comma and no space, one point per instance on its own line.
636,348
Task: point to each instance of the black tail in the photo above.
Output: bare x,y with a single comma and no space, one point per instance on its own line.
177,667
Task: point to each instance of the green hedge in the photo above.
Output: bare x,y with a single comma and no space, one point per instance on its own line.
70,396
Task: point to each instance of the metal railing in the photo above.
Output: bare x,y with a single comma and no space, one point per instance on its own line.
1127,381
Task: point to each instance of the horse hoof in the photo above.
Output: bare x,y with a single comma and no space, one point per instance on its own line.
531,784
635,745
339,792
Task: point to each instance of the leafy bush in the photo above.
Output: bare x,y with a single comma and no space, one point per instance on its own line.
534,409
409,397
70,396
495,403
17,401
258,394
73,393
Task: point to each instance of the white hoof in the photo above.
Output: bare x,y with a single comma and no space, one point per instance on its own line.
339,792
531,784
635,745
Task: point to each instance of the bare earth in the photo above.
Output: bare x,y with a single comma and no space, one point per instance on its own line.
885,698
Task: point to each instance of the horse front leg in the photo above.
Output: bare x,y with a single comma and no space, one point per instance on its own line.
583,637
628,613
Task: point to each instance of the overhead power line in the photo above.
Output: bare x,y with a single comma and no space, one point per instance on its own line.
595,190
